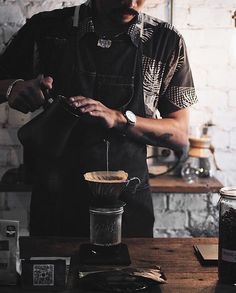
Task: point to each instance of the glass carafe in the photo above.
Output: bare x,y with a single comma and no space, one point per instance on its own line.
200,161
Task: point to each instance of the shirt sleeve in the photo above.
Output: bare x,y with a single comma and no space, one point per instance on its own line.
178,91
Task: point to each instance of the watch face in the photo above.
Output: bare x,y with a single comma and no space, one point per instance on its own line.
131,117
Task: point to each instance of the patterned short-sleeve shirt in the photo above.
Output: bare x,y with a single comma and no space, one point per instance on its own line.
167,78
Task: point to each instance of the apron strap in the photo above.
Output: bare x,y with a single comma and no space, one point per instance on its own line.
76,13
76,16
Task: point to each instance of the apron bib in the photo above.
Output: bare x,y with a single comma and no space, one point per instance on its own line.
60,198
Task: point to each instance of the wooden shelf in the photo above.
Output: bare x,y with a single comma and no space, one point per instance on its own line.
163,183
173,184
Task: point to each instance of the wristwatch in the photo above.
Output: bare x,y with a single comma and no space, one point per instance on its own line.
131,120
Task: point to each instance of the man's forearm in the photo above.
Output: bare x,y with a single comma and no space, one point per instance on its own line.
159,132
170,132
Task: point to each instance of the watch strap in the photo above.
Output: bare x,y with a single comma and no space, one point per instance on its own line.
127,125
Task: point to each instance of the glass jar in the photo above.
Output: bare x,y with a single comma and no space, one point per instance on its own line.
105,225
227,236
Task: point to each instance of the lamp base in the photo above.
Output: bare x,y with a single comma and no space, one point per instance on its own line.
90,254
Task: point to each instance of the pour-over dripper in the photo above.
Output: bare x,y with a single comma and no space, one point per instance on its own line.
106,186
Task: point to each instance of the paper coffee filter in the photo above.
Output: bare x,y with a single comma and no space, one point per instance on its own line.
106,176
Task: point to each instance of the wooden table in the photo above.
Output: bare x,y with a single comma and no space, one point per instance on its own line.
175,256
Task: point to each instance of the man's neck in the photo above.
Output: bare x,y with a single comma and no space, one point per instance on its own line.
105,25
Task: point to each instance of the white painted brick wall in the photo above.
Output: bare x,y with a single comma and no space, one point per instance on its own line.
159,203
170,220
184,215
208,30
9,136
3,114
16,118
178,202
232,99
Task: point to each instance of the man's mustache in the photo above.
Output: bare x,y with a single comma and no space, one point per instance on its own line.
125,10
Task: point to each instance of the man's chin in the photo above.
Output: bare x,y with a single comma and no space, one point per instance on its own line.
123,19
126,18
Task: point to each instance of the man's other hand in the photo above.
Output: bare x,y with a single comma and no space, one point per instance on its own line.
28,96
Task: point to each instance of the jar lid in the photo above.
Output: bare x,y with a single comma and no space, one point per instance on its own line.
228,192
115,208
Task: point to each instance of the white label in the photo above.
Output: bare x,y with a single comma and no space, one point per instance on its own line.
228,255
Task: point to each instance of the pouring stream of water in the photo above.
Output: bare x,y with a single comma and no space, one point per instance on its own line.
107,155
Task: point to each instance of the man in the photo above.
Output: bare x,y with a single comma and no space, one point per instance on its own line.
118,68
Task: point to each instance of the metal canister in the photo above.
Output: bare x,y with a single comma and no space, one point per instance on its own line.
227,236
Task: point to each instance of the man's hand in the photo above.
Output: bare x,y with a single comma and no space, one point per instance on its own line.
28,96
171,131
95,112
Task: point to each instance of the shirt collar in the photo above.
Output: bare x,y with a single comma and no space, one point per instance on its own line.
86,24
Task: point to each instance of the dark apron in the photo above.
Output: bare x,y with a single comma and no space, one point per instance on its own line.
61,198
